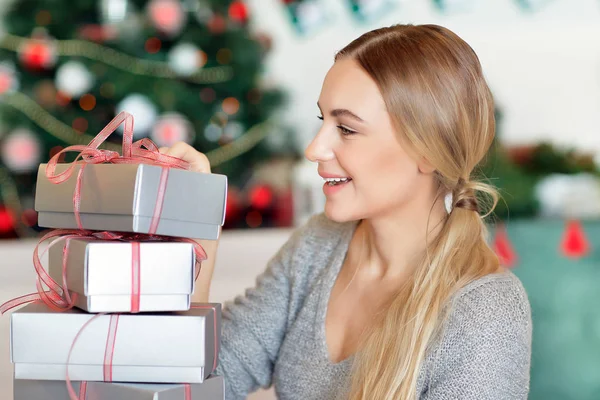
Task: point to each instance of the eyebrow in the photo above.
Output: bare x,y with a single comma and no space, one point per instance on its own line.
342,112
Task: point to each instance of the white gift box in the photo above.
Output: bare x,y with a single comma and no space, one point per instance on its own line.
178,347
100,272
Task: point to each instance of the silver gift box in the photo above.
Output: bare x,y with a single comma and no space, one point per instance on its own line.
177,347
122,197
211,389
100,273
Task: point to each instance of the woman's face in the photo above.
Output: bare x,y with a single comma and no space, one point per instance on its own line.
359,148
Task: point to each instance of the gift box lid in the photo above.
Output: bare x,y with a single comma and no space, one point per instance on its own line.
132,189
40,335
97,267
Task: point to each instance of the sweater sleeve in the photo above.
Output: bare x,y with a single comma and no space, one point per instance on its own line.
485,351
254,326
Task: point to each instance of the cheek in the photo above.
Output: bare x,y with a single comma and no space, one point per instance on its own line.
389,176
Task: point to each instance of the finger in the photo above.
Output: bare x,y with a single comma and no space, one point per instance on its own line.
163,150
198,161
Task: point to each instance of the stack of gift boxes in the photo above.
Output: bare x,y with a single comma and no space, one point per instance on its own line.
133,332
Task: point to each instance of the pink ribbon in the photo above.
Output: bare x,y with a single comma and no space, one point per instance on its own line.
135,277
83,390
143,151
109,350
58,297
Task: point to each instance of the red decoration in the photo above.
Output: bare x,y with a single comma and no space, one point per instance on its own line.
7,220
167,16
217,24
234,205
238,11
37,54
261,197
575,243
283,214
503,247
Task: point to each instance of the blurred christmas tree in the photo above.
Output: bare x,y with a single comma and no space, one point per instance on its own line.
187,70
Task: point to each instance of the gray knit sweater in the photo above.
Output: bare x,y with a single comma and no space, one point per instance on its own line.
275,334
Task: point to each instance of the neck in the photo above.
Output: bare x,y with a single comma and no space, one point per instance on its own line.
394,242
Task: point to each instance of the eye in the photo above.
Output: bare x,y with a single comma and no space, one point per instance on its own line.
320,117
345,131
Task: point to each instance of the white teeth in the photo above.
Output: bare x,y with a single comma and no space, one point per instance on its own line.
330,180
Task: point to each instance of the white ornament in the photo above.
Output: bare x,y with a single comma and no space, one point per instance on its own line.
21,151
170,129
233,130
144,113
74,79
310,15
114,11
213,132
185,59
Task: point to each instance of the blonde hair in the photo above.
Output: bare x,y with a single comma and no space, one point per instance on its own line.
442,108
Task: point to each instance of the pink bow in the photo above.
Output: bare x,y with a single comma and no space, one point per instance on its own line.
144,151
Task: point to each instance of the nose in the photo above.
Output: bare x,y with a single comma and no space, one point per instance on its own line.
320,149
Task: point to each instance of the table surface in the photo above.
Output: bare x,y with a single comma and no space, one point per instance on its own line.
241,257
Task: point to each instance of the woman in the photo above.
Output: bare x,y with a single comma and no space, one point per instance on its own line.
393,292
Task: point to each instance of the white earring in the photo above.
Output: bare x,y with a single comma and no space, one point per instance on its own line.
448,199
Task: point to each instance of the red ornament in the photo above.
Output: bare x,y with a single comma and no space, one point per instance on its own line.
217,24
37,54
261,197
503,247
575,243
167,16
7,220
283,215
233,207
238,11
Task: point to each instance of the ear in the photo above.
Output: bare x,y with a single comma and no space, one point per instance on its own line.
425,166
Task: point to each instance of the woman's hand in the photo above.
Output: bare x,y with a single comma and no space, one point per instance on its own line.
197,160
199,163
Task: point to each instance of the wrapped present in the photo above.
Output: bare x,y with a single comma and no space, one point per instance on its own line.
211,389
117,276
138,198
177,347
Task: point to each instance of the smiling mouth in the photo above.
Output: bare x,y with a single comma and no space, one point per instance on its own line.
337,181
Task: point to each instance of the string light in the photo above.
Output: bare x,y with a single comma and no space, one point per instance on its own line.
94,51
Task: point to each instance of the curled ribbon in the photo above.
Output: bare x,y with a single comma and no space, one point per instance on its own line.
109,350
58,297
143,151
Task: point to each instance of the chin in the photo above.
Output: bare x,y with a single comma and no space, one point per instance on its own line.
338,214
